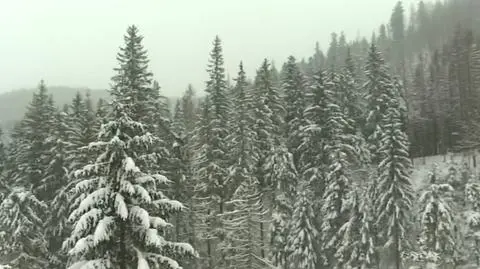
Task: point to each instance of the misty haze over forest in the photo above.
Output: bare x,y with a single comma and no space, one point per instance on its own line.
72,42
240,135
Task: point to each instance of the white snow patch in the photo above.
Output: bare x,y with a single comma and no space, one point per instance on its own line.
102,232
121,207
130,165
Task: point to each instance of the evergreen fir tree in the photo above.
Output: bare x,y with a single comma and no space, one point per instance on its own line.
350,94
21,216
242,137
397,26
36,129
189,107
268,124
378,89
25,202
133,78
313,159
437,223
293,86
82,128
82,131
57,178
159,113
472,195
115,224
282,170
202,210
276,168
243,227
303,236
27,193
101,114
213,154
342,154
357,246
394,190
264,99
77,106
178,171
248,209
333,52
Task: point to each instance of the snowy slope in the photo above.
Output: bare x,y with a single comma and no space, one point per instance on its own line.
423,165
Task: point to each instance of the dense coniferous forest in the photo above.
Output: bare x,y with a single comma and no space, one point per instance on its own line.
305,165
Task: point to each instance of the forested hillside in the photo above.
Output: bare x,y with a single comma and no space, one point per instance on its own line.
14,104
305,166
434,50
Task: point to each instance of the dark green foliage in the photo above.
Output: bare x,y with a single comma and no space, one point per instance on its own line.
29,188
294,89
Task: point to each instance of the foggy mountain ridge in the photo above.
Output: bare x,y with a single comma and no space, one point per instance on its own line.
13,104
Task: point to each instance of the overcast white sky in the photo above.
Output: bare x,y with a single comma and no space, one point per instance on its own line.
74,43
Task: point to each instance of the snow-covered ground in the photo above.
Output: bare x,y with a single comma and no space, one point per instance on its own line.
423,165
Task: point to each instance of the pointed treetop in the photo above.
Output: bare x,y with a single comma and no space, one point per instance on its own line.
349,63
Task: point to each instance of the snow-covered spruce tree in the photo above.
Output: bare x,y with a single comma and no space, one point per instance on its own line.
133,76
242,137
267,119
189,104
156,111
268,77
77,106
278,169
82,131
201,211
134,79
357,246
313,158
263,95
472,195
342,154
189,107
57,179
213,157
37,127
378,89
102,112
437,223
113,228
294,88
25,205
302,238
244,221
275,170
282,170
394,189
178,174
157,114
114,225
21,218
243,227
76,127
181,168
351,93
